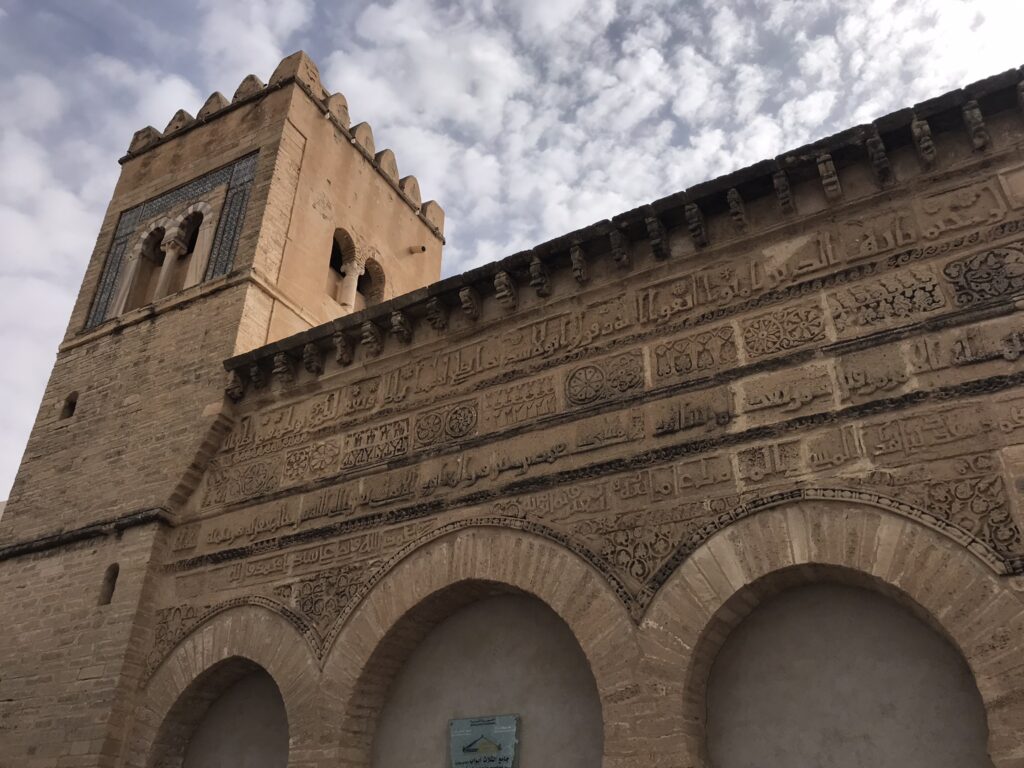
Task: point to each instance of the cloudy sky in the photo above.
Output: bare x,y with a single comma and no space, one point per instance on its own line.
524,118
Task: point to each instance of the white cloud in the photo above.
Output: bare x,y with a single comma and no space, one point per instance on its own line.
525,120
241,37
32,98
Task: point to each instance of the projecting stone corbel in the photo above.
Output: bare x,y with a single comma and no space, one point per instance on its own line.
235,389
879,159
437,314
578,259
505,291
923,143
657,237
469,297
540,280
783,192
975,123
695,224
829,178
737,211
372,339
620,248
401,328
256,376
313,359
284,368
343,351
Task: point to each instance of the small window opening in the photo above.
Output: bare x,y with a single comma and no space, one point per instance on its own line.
337,259
147,275
109,582
70,403
343,252
370,285
192,238
364,285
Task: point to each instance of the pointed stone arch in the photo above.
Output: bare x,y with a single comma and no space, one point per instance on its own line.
218,652
756,557
439,578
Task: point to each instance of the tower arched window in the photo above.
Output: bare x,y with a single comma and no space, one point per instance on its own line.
183,249
370,285
147,273
353,281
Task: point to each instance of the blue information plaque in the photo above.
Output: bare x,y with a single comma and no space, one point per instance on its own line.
483,742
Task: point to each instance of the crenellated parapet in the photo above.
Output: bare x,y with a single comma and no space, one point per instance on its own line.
300,70
828,183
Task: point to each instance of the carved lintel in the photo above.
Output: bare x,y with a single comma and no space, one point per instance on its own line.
256,376
829,177
695,223
540,280
505,290
879,159
656,234
620,248
284,368
737,211
313,359
783,192
343,351
235,389
401,327
579,263
922,133
437,314
975,123
469,297
372,338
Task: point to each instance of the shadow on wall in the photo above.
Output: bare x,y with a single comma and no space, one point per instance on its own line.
509,654
841,677
232,714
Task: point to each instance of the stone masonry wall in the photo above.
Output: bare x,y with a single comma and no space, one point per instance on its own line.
148,382
808,371
64,657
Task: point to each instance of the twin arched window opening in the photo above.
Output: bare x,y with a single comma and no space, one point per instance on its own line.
168,261
353,281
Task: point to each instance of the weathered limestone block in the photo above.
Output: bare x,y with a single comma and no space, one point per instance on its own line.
303,69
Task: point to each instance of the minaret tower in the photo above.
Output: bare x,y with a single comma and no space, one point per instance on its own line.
256,219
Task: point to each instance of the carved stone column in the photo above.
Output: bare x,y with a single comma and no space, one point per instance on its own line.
353,268
173,250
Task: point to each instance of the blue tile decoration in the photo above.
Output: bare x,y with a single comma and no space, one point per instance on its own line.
238,176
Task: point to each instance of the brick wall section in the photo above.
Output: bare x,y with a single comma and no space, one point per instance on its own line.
138,421
63,659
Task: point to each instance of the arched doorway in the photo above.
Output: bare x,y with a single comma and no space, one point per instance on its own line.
502,654
232,715
837,676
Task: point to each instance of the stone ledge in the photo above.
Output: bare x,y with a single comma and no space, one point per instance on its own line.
101,529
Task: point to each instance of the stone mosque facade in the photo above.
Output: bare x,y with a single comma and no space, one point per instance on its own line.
731,480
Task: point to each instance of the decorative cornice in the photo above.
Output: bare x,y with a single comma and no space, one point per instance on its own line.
652,225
